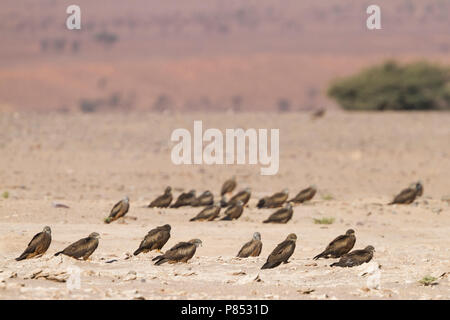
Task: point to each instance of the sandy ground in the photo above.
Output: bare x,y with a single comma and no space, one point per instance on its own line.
358,161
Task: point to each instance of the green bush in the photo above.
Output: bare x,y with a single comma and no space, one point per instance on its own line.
415,86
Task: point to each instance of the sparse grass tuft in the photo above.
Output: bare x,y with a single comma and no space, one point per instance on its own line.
5,195
428,281
327,197
324,220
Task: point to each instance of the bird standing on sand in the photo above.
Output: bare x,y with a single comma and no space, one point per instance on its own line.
228,186
243,196
274,201
305,195
38,245
119,210
282,215
408,195
234,211
205,199
355,258
281,253
155,239
82,248
339,246
184,199
208,214
251,248
163,201
181,252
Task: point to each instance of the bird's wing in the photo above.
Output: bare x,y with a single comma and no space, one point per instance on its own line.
77,248
282,251
228,186
247,249
405,195
36,239
179,251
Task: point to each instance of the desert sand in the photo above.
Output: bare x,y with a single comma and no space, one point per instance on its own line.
358,161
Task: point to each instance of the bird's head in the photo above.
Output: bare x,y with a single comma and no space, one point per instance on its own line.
196,242
240,203
313,187
285,191
350,232
248,190
370,248
207,193
168,190
47,230
192,192
288,205
166,227
292,237
256,236
126,199
94,235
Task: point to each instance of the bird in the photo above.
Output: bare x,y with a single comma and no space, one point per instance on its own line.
282,215
119,210
154,240
234,211
208,214
163,201
251,248
228,186
184,199
38,245
181,252
82,248
339,246
205,199
408,195
274,201
281,253
355,257
243,196
305,195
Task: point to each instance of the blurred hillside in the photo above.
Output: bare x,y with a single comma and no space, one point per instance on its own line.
203,55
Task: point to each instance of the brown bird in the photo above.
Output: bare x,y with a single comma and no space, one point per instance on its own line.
305,195
408,195
282,215
234,211
82,248
119,210
184,199
163,201
228,186
154,240
274,201
339,246
205,199
38,245
208,214
243,196
355,258
281,253
181,252
251,248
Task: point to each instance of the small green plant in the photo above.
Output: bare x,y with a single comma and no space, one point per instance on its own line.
428,281
324,220
5,195
327,197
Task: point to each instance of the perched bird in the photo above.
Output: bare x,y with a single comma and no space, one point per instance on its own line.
184,199
205,199
228,186
234,211
181,252
281,253
163,201
355,258
154,240
208,214
251,248
119,210
408,195
38,245
339,246
282,215
83,248
243,196
274,201
305,195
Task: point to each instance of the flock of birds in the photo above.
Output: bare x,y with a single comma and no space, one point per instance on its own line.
340,248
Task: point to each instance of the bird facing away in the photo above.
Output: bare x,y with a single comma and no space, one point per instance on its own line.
154,240
82,248
184,199
408,195
208,214
234,211
228,186
281,253
38,245
251,248
163,201
305,195
355,258
181,252
282,215
339,246
243,196
119,210
274,201
205,199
